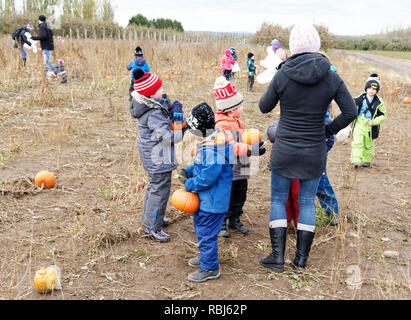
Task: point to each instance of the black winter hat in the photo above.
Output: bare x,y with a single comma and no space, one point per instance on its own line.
201,120
373,81
42,18
138,52
249,55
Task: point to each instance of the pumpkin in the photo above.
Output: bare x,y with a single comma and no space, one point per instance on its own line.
189,87
168,77
178,126
354,84
407,100
391,92
45,179
199,78
205,67
108,78
45,280
398,89
242,76
185,201
251,136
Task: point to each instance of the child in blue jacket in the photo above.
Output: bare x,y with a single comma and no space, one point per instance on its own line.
139,62
211,177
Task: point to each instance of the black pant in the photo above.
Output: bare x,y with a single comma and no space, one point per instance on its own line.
227,74
237,198
250,82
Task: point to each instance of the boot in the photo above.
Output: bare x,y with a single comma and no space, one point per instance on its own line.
304,241
236,224
275,261
24,62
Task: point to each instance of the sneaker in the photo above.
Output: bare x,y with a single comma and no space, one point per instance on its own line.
334,220
194,262
224,231
238,225
202,275
160,235
365,164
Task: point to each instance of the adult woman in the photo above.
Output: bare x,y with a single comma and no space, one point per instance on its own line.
305,86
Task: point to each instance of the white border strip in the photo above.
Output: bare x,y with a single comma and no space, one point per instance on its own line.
282,223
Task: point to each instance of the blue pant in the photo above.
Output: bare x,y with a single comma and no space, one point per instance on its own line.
280,187
23,52
206,227
326,195
47,60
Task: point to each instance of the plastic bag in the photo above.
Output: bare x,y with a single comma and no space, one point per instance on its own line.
343,134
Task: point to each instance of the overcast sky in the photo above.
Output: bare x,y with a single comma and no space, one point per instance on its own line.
342,17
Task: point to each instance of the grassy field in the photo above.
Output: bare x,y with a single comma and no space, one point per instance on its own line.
90,223
389,54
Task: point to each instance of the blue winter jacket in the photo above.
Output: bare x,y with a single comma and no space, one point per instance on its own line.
137,62
211,175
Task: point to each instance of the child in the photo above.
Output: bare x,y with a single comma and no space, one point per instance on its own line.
251,70
371,113
59,71
229,102
236,67
226,64
210,177
136,63
155,144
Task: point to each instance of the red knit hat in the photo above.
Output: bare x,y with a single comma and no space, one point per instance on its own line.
226,94
146,83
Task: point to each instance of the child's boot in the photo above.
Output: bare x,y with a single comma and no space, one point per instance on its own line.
235,224
202,275
304,241
275,261
224,230
159,235
194,262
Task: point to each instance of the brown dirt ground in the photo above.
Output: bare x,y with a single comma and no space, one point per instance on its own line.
89,224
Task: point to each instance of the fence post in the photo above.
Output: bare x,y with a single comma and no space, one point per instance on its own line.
94,33
78,33
85,33
104,33
71,34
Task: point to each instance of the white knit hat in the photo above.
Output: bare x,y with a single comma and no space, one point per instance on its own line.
304,38
226,94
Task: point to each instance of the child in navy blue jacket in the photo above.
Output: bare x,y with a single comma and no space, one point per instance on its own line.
211,177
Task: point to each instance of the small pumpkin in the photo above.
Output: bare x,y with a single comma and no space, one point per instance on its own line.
45,280
189,87
199,78
178,126
109,78
398,89
45,179
185,201
251,136
407,100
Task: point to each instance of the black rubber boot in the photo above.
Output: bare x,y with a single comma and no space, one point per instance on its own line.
275,261
304,241
24,61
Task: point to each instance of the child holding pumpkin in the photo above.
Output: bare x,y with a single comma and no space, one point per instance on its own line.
155,142
211,177
229,103
371,113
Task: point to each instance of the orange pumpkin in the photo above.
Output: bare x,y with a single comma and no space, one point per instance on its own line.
407,100
189,87
45,179
178,126
251,136
185,201
205,67
199,78
168,77
398,89
108,78
45,280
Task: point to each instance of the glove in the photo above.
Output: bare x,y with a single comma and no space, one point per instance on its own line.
164,98
256,149
183,176
176,112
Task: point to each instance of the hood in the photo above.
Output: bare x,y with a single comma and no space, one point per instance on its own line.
140,61
141,104
307,68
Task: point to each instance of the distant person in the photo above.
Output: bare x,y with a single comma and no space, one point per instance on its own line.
139,62
304,85
60,71
251,71
276,54
46,42
210,177
20,38
227,64
236,67
366,127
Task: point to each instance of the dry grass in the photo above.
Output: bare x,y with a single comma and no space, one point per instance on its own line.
90,226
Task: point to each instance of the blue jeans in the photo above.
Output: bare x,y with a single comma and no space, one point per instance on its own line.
23,52
280,187
206,227
326,195
47,60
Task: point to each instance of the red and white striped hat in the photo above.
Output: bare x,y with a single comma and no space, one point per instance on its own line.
227,96
147,84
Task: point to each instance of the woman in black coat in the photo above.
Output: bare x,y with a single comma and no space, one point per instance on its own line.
305,86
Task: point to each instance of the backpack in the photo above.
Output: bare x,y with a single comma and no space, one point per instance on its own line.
16,33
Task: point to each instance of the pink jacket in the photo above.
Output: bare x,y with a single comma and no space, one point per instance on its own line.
226,63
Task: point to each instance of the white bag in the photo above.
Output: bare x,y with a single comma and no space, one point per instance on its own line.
32,42
236,68
343,134
271,63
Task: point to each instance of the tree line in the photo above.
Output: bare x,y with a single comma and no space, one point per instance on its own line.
160,23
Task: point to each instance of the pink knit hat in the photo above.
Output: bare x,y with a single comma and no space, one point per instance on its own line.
304,38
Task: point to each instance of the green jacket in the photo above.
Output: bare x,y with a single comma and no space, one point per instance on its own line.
378,113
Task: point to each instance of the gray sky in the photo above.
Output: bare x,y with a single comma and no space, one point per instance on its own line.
342,17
